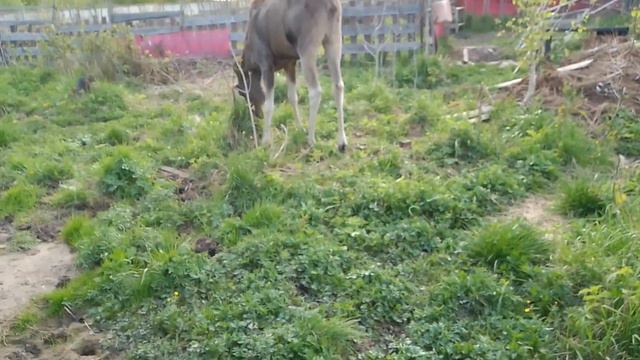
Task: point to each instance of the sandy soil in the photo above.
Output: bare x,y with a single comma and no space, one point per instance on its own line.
26,275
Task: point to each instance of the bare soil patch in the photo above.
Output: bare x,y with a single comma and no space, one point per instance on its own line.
537,211
24,276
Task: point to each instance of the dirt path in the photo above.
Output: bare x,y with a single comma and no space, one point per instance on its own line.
537,210
25,275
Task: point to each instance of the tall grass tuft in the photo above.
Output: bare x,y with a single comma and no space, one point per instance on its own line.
510,247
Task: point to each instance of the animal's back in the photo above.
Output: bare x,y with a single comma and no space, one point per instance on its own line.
288,25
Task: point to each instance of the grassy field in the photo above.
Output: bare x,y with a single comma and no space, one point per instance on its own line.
385,252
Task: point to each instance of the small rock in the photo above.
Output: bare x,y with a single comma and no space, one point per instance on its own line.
32,349
63,281
206,245
55,337
405,144
18,355
87,347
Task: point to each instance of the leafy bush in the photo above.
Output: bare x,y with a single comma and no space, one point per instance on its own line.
123,177
582,198
510,248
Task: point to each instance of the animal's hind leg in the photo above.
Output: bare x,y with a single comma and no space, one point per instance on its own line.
308,60
333,49
268,84
292,93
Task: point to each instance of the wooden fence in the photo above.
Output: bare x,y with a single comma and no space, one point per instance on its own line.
369,26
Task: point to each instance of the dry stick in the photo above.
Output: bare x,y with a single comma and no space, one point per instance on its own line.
246,88
284,143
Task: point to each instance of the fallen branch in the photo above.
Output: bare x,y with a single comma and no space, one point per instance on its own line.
576,66
474,116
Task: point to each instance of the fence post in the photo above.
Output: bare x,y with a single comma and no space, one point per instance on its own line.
428,30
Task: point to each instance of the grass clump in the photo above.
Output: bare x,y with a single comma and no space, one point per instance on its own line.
51,174
123,177
77,229
582,198
71,199
625,131
116,136
8,134
22,241
17,199
463,144
511,247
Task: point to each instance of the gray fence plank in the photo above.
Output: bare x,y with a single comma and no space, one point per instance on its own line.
15,37
373,48
156,30
349,30
389,10
215,20
121,18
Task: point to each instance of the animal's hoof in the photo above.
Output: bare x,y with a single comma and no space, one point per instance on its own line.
342,148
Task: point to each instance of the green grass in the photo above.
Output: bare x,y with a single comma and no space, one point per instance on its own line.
382,252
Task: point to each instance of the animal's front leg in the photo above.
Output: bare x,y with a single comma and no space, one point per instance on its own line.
293,100
315,93
292,93
268,85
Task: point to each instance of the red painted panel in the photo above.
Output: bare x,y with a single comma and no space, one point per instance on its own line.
494,8
200,43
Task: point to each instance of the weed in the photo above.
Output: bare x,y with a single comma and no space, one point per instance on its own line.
51,174
116,136
462,144
123,177
510,248
625,130
7,134
22,241
17,199
263,216
582,198
77,229
71,199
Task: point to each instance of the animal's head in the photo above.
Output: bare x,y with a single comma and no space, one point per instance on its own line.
252,80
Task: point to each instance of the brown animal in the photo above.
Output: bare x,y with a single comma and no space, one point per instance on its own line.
279,33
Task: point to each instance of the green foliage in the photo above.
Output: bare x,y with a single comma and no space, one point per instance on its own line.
463,144
582,198
510,248
103,103
77,229
51,174
116,136
71,199
421,72
123,177
480,24
625,131
263,216
22,241
609,321
17,199
378,253
7,134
